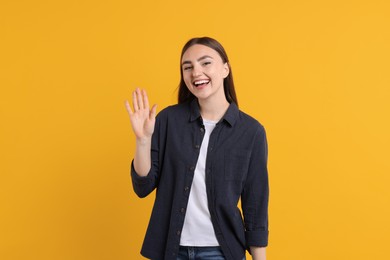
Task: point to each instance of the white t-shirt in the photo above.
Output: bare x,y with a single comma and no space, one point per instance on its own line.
198,229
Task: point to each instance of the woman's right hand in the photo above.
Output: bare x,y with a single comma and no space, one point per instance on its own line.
142,118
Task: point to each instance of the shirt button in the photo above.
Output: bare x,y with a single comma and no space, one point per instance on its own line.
178,232
192,168
182,210
186,188
197,146
201,129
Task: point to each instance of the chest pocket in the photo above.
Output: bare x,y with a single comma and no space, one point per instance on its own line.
236,164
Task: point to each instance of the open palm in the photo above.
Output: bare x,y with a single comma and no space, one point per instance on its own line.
142,118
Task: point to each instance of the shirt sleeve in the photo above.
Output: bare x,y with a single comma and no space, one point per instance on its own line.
255,195
144,185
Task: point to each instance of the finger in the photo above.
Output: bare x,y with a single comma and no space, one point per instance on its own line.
145,99
152,113
128,108
135,101
139,99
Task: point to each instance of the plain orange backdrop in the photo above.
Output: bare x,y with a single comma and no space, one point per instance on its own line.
315,73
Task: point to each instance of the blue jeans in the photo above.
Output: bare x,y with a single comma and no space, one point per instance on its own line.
200,253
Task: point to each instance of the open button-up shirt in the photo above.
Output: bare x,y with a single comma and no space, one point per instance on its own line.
236,168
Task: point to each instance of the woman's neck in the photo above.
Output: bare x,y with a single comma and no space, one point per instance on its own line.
213,110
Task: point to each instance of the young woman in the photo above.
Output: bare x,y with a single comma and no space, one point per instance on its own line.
201,155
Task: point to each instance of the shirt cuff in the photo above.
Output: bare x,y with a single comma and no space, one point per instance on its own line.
139,179
257,238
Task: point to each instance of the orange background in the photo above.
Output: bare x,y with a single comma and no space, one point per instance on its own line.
315,73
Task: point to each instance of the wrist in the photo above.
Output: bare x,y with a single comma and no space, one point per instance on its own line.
143,141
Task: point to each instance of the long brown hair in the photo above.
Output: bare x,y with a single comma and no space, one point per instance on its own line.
184,94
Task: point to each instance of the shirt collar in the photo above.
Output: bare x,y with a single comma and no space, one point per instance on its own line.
230,116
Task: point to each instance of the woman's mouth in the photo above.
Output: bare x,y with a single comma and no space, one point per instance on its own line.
201,83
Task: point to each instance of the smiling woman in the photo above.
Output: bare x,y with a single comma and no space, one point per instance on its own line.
203,75
217,52
202,155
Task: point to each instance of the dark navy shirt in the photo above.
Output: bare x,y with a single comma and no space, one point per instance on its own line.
236,167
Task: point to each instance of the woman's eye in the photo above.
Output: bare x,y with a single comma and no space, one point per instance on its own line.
187,68
206,63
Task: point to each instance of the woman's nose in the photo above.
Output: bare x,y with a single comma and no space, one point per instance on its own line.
196,71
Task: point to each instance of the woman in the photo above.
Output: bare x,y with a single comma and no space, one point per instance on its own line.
202,155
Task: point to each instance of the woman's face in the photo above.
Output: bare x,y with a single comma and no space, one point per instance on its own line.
204,72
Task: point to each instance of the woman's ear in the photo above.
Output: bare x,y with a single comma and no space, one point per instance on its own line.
226,69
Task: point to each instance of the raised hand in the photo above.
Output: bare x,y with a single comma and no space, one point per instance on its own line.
142,118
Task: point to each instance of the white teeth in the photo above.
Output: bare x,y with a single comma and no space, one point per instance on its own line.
201,82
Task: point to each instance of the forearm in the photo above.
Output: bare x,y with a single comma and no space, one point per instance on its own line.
258,253
142,161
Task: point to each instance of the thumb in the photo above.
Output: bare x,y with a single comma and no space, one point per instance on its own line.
152,113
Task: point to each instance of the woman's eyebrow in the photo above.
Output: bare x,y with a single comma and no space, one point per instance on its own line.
201,58
204,57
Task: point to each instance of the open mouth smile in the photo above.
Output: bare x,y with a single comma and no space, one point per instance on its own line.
200,83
